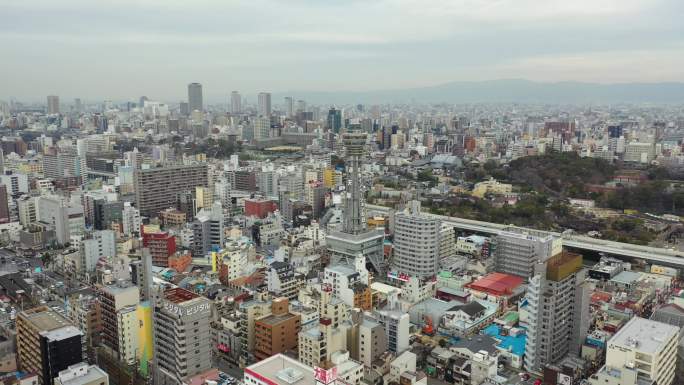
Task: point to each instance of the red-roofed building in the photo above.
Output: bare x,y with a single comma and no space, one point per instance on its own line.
259,208
498,287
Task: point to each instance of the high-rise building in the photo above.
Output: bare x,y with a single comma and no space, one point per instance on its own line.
517,250
262,128
416,242
47,343
26,205
558,310
64,165
67,219
4,205
161,245
184,108
334,120
118,306
101,244
208,229
131,220
53,104
235,102
396,324
182,336
264,104
355,239
78,105
156,188
256,308
642,352
289,106
372,341
195,97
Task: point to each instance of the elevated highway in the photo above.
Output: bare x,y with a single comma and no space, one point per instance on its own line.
656,255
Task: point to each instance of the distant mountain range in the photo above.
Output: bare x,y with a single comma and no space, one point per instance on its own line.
508,90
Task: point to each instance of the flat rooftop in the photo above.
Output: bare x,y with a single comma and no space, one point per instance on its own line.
178,295
282,370
62,333
644,335
45,319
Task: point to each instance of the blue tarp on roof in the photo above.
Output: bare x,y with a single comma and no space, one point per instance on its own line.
515,344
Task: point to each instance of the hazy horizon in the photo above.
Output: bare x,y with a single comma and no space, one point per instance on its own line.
127,49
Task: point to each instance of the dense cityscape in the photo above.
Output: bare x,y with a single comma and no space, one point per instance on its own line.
286,242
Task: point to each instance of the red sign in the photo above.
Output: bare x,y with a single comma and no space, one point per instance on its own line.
325,376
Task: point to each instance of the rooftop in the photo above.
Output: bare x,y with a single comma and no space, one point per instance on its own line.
281,370
178,295
61,333
81,373
514,344
45,319
497,283
646,335
626,277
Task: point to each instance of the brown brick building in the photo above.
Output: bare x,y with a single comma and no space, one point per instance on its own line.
278,332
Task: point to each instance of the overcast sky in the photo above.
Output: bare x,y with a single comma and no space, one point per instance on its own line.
123,49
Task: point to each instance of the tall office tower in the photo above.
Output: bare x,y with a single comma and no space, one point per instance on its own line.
102,244
235,102
4,205
131,220
78,105
334,120
301,106
195,97
642,352
289,106
184,108
155,188
262,128
182,336
208,229
416,242
118,305
355,239
518,250
355,143
264,104
53,104
47,343
558,308
106,214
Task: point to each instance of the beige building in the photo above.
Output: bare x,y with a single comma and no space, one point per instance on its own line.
642,352
120,321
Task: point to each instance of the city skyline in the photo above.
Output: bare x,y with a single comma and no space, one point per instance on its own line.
381,45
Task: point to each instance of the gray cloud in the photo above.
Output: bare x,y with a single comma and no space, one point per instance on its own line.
123,49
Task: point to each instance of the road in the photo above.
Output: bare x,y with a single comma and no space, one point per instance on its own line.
228,368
